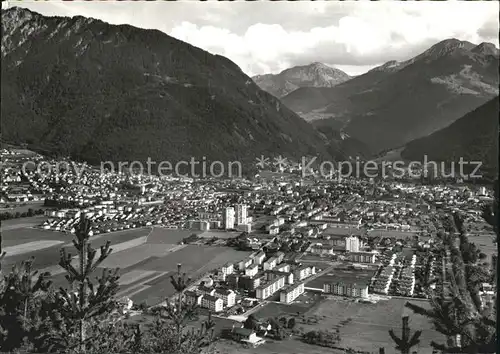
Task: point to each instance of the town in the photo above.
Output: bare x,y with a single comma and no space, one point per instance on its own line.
277,245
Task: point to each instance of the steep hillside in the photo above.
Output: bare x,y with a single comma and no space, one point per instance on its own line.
474,137
401,101
312,75
95,91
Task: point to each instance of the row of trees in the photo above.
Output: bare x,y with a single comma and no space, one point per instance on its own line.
86,316
456,308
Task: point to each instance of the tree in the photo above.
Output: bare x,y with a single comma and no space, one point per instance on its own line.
406,342
490,211
169,332
82,307
19,298
277,328
468,326
251,323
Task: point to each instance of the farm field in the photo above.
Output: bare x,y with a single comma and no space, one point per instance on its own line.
367,325
30,247
195,260
21,223
130,257
49,257
161,235
146,257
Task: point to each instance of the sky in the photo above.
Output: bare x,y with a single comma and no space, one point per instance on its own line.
268,37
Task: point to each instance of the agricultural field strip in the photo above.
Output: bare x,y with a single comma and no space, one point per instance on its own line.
18,226
141,285
56,269
134,276
129,258
29,247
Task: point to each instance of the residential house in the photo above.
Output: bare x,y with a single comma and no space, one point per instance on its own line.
228,296
252,270
213,303
304,272
321,249
193,298
270,263
244,263
249,283
259,257
227,269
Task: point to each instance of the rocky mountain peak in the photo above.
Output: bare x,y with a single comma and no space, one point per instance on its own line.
312,75
447,47
486,48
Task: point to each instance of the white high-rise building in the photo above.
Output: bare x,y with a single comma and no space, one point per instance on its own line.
352,244
229,218
241,214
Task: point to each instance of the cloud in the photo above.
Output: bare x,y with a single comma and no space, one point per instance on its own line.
263,37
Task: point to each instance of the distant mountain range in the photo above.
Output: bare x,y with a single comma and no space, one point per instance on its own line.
98,92
473,137
398,102
312,75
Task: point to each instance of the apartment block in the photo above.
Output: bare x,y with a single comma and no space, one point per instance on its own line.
346,289
212,303
290,293
266,290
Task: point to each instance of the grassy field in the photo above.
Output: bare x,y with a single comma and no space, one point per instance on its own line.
160,235
21,223
367,325
30,247
48,258
303,303
130,257
485,244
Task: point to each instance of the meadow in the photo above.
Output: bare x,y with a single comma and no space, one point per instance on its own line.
366,326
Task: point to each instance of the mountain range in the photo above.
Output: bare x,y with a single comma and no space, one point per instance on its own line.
98,92
474,137
398,102
312,75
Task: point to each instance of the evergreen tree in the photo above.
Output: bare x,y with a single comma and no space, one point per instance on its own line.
406,342
170,333
84,305
20,297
